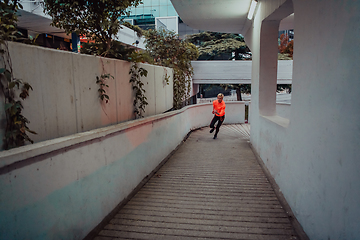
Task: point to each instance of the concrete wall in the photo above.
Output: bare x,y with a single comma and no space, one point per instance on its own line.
313,153
64,187
235,72
128,36
65,96
283,110
234,112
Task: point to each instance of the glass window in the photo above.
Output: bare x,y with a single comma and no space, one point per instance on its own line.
147,10
155,2
139,10
163,11
171,11
165,2
147,3
155,12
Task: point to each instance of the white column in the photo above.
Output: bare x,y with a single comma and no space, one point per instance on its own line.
268,67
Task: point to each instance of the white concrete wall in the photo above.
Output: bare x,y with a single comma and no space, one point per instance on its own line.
64,187
65,96
283,110
313,154
235,72
129,36
34,7
234,112
170,23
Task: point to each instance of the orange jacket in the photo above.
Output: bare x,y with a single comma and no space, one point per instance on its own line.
219,107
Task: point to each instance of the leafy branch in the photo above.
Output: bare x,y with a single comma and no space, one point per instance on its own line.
101,81
166,77
140,100
169,51
215,44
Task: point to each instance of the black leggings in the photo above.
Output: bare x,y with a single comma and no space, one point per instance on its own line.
214,120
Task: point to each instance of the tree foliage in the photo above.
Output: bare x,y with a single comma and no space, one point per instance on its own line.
240,88
286,50
286,47
169,51
137,29
8,20
213,44
96,19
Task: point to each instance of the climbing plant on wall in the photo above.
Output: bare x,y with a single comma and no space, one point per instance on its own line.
140,100
168,50
100,21
13,89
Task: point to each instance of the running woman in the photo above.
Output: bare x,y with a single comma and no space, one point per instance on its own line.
219,111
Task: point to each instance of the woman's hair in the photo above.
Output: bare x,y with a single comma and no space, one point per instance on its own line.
220,95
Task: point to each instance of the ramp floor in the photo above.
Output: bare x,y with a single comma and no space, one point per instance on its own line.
209,189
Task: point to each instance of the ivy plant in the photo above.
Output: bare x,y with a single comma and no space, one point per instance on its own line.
101,81
140,100
168,50
13,89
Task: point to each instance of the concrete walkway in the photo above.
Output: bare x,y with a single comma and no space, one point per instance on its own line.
209,189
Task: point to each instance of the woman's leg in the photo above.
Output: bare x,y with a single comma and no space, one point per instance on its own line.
212,124
221,120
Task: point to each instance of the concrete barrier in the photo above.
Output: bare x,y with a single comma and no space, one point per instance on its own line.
62,188
65,97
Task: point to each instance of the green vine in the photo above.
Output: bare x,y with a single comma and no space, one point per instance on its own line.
140,100
101,81
166,77
16,124
169,51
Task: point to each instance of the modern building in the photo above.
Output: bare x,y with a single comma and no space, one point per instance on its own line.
155,14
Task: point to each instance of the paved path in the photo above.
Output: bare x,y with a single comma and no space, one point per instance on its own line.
209,189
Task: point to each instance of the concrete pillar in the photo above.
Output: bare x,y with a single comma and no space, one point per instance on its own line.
195,88
268,67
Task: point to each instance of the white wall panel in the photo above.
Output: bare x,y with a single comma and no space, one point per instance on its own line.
65,99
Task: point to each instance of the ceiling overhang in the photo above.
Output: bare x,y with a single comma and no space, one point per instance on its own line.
228,16
38,24
287,23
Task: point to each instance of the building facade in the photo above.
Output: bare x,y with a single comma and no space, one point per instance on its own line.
156,14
